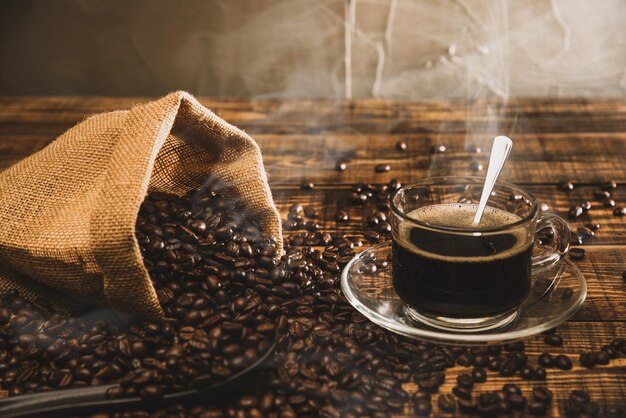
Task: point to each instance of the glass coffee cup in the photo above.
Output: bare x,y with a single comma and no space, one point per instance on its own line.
453,275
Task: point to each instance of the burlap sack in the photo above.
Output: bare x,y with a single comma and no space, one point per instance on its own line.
68,212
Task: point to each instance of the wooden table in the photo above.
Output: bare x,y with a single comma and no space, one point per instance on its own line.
302,140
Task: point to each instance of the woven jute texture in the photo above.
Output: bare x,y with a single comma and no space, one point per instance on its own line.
68,212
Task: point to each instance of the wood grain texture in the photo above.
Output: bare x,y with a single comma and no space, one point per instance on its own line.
303,140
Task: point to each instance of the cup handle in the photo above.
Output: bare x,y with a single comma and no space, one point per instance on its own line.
550,255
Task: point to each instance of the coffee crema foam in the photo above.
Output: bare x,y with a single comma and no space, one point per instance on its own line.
461,215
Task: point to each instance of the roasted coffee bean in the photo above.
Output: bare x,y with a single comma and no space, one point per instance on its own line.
527,372
480,359
307,185
447,403
563,362
585,232
542,394
342,216
619,211
576,239
608,185
341,166
608,203
602,358
553,339
587,359
401,145
546,360
479,375
465,380
382,168
586,206
422,407
565,185
577,253
575,212
540,373
475,166
461,392
601,194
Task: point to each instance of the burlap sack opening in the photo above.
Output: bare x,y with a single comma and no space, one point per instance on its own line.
68,212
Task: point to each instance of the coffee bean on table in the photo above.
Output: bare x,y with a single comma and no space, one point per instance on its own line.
563,362
575,212
540,373
465,380
542,394
608,185
602,358
546,360
586,206
479,375
577,239
565,185
341,166
475,166
608,203
587,359
438,149
601,194
577,253
461,392
480,359
447,403
342,216
382,168
619,211
527,372
401,146
422,407
307,185
511,389
553,339
585,232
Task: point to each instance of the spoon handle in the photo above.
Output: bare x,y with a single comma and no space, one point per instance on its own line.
500,151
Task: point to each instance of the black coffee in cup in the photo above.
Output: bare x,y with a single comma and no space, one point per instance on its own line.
461,274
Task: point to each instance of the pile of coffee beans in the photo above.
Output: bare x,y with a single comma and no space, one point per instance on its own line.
209,270
226,292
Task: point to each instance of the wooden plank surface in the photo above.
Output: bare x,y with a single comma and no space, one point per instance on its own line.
303,140
300,139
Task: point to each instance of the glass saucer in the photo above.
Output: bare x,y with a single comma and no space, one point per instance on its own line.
556,294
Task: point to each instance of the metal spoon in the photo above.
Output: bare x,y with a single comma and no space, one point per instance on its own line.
500,151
